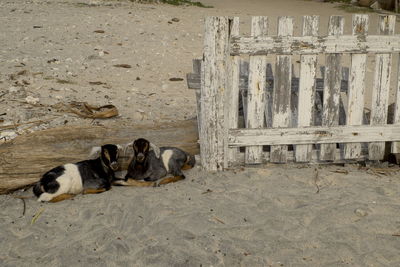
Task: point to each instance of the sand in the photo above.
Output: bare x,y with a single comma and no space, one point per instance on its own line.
272,215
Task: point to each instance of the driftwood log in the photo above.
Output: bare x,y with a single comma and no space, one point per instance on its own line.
24,159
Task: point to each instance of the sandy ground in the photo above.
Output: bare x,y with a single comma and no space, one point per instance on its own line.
60,51
254,217
269,216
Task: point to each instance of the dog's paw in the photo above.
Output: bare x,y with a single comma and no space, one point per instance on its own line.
45,197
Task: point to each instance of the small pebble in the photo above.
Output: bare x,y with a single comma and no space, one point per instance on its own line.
360,212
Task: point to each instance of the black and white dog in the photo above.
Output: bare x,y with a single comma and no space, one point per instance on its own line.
88,177
151,163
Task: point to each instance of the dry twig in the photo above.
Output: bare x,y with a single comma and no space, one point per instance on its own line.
316,179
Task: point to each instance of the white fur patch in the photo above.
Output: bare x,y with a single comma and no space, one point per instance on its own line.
166,156
95,152
70,183
156,149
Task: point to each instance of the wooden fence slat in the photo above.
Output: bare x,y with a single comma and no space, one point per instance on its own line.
313,134
308,64
214,83
314,45
396,117
380,92
314,157
282,90
256,94
330,113
196,71
232,94
355,105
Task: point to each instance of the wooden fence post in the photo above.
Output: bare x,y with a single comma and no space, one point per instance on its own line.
256,90
380,90
213,89
355,106
396,117
308,64
332,82
282,91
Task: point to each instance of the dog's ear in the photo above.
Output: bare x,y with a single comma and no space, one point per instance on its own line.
156,150
95,152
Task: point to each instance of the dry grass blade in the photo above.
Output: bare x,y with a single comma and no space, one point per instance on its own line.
219,220
37,215
341,171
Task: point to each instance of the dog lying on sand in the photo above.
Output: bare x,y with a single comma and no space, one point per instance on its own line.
151,163
88,177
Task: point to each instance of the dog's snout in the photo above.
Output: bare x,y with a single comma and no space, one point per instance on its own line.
140,157
114,165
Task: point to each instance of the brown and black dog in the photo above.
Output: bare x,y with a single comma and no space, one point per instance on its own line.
150,164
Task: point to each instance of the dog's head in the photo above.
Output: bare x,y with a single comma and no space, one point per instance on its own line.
141,148
109,155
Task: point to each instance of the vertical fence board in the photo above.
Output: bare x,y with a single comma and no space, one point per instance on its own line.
213,85
308,64
256,94
396,119
282,90
381,88
355,105
197,70
232,94
332,81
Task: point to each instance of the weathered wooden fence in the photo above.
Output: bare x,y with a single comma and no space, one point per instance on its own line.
269,114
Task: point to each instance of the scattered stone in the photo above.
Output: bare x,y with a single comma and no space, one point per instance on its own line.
96,83
22,72
53,60
32,100
93,57
175,79
13,89
360,212
126,66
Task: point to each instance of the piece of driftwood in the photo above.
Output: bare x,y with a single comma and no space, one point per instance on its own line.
24,159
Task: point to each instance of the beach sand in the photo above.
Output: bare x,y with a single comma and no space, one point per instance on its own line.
278,215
